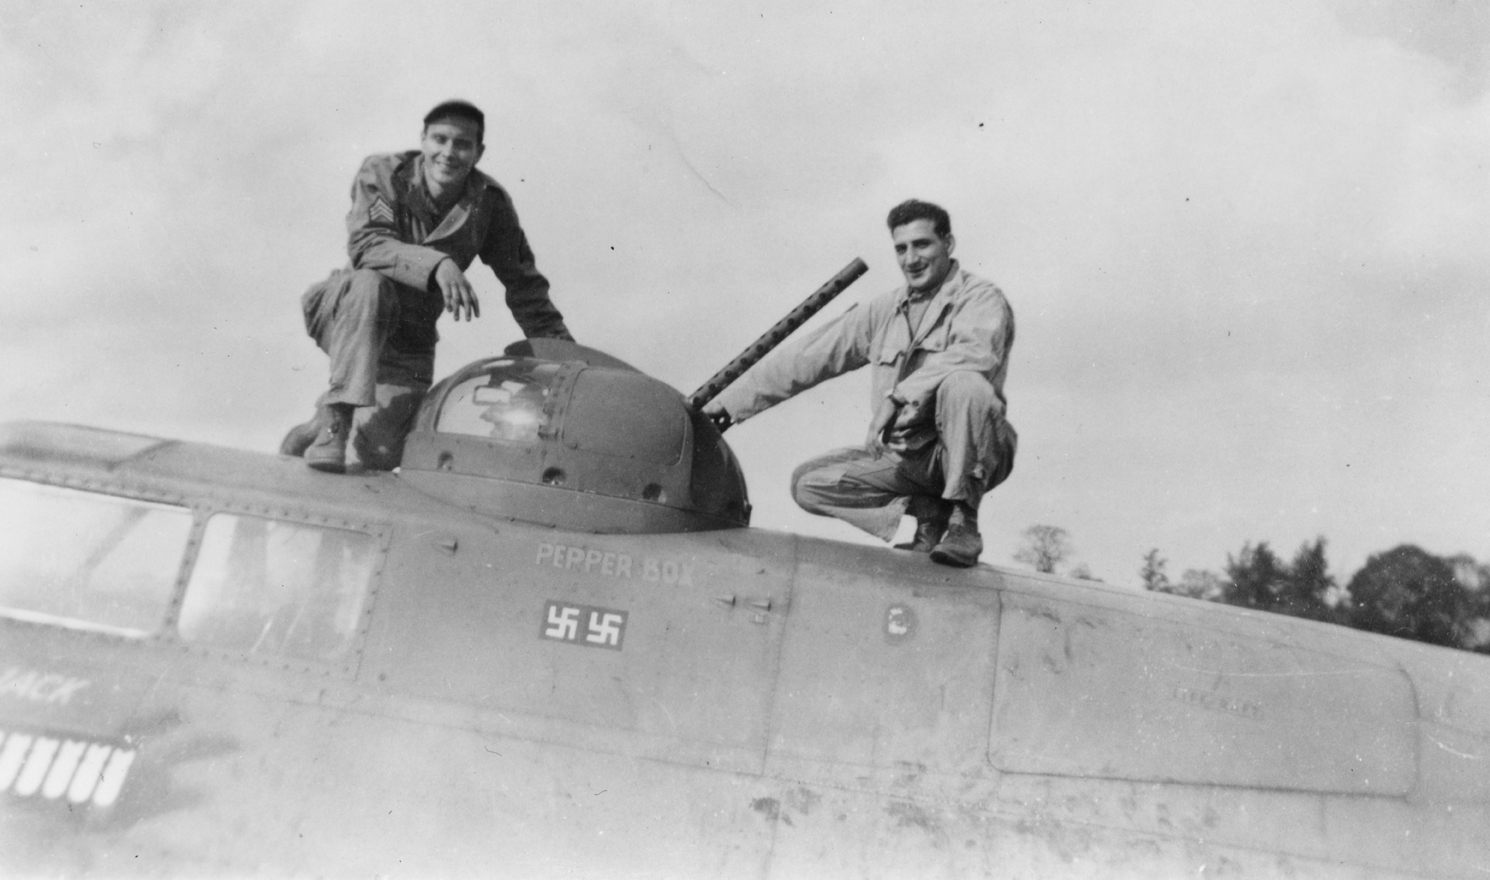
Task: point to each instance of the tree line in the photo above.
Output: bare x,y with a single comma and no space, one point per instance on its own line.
1405,592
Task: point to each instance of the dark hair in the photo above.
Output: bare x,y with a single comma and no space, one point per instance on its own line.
461,110
912,210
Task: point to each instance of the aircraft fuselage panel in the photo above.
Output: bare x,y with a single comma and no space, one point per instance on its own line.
213,662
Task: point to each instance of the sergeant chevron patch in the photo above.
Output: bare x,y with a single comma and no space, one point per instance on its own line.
380,211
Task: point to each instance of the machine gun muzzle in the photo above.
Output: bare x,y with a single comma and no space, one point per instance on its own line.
774,337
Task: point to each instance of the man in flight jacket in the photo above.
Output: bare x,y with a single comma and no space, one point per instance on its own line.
418,220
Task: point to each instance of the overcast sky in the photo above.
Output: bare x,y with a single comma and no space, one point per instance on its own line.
1246,244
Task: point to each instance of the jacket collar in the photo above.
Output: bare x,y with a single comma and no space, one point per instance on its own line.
476,184
948,289
940,301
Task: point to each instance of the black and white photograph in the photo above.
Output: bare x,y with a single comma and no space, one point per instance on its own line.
659,439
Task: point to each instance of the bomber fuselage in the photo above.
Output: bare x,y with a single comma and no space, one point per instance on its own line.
224,662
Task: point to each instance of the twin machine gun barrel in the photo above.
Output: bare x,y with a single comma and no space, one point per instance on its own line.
773,337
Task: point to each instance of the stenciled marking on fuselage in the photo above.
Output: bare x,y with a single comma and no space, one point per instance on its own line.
900,624
40,687
612,564
583,625
52,765
1218,703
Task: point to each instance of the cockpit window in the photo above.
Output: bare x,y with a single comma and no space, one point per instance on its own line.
279,589
88,561
509,401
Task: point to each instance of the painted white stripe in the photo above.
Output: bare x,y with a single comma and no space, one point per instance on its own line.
73,623
113,777
84,781
62,769
11,758
36,766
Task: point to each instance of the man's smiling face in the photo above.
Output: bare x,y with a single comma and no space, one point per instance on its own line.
925,257
452,147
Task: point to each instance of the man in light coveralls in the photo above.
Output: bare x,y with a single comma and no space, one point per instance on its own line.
940,438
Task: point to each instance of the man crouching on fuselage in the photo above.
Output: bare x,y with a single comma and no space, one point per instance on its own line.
418,220
939,439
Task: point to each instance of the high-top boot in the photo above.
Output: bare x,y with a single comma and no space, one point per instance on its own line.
961,545
931,521
329,451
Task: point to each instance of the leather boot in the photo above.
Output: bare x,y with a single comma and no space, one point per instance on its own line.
329,451
931,522
961,545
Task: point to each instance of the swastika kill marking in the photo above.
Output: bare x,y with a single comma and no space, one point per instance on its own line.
583,625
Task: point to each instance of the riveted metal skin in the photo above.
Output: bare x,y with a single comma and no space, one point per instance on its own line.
201,480
510,697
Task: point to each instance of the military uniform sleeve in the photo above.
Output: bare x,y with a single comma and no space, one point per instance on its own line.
977,339
373,237
507,252
833,349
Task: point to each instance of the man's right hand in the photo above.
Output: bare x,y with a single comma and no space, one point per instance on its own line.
460,297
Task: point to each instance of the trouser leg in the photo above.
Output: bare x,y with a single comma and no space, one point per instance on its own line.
350,316
863,490
379,431
405,371
974,452
976,445
380,337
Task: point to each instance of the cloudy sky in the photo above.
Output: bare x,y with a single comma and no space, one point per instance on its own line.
1246,244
